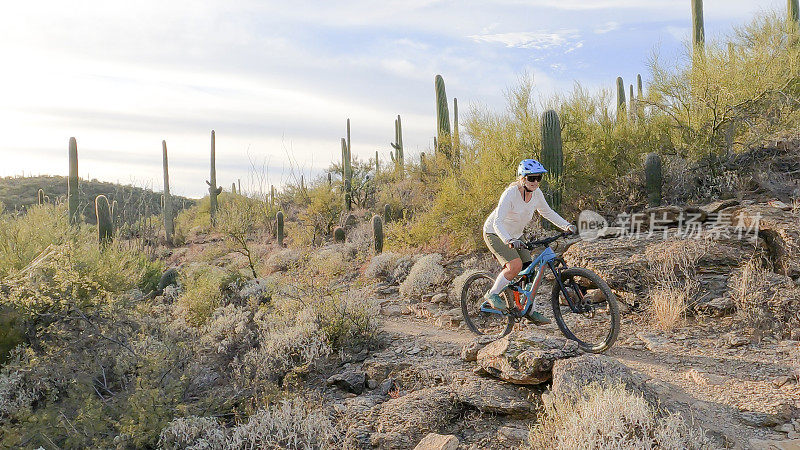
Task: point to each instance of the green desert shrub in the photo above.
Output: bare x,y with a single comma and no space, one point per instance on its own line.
203,291
381,266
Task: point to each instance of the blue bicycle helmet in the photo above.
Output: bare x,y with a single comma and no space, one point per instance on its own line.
530,167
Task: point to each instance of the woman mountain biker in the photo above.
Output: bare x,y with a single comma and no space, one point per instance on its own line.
504,226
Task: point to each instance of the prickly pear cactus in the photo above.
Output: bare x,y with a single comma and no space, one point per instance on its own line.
377,233
652,171
338,234
72,182
105,227
552,157
279,227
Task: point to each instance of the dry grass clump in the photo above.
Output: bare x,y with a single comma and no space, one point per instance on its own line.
193,433
673,274
381,266
290,424
611,418
424,275
765,300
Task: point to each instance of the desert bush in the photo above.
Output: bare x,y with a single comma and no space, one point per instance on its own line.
426,273
285,341
328,262
203,292
612,417
193,433
283,260
229,332
347,322
293,423
238,220
381,266
320,216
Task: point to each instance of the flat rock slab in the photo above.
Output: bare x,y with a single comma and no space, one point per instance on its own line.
435,441
525,358
491,396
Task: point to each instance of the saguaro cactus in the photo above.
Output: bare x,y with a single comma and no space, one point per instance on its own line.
338,234
272,195
387,213
105,226
347,171
456,138
169,224
377,164
233,188
652,172
377,233
40,197
620,98
279,227
73,196
397,156
552,157
213,190
239,185
698,30
639,93
442,117
631,104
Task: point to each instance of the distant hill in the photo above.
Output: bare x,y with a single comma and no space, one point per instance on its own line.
18,193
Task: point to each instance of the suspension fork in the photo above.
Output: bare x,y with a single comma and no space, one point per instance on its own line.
563,289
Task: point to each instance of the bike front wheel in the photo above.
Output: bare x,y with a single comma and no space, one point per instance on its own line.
595,323
479,322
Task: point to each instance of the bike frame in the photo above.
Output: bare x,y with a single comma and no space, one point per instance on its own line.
548,259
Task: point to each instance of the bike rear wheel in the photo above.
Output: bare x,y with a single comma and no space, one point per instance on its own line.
479,322
596,326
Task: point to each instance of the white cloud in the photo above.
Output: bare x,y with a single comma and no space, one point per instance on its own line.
606,28
539,40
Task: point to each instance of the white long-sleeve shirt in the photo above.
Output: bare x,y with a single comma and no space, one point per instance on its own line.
508,220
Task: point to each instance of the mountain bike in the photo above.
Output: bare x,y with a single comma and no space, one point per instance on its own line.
584,307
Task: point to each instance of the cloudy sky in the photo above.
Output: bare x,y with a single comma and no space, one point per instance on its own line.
278,79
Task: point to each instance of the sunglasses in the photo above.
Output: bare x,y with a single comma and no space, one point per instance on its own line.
533,178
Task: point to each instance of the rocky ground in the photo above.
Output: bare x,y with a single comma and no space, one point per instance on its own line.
739,385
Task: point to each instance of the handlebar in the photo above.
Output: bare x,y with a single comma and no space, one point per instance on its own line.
546,241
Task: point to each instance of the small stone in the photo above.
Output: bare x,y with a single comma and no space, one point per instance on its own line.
470,351
439,298
782,380
372,384
435,441
764,444
513,435
786,428
414,351
734,340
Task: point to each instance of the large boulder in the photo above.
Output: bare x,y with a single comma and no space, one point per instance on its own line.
524,358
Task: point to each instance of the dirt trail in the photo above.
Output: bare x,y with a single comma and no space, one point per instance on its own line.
735,392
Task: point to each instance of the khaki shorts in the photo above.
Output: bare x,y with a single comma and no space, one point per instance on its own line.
503,252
